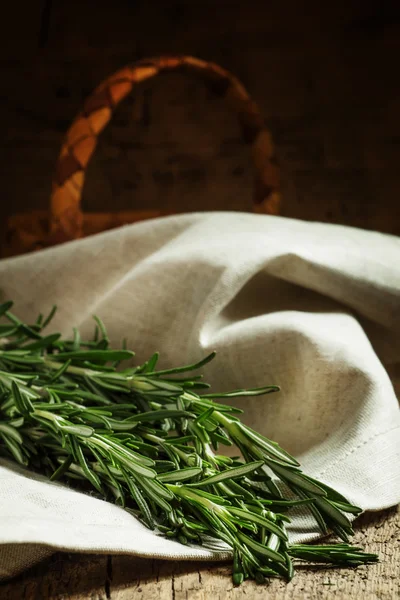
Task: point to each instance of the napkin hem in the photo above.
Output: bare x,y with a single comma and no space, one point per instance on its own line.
383,496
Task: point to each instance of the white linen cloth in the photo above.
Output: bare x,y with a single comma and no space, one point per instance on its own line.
314,308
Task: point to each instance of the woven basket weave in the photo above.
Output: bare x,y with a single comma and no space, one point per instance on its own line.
65,219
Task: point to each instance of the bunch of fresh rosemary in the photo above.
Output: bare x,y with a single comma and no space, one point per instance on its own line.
148,441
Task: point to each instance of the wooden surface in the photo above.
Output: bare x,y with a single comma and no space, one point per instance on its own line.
325,78
80,577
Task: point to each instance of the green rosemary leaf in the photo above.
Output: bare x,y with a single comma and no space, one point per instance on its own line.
225,461
263,522
43,343
229,474
194,385
101,327
5,307
95,355
115,425
163,384
261,391
98,367
149,366
179,439
204,416
269,572
22,402
268,446
63,468
140,501
15,449
20,358
95,393
346,507
81,430
203,402
289,566
240,490
192,367
76,344
289,503
221,439
341,555
18,422
260,549
180,475
91,475
113,443
79,395
315,512
8,330
333,494
334,513
162,466
28,331
212,497
50,316
159,415
110,474
127,458
157,492
11,432
298,480
237,575
249,525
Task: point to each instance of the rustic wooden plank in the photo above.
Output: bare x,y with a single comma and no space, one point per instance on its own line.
324,81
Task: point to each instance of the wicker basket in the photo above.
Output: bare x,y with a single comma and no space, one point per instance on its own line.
65,220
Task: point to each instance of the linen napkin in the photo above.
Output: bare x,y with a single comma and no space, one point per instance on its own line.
311,307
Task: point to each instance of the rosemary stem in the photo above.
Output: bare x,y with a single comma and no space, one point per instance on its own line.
55,365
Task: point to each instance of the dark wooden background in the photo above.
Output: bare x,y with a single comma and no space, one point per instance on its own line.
325,73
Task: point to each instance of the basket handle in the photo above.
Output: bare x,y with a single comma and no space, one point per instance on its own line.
66,217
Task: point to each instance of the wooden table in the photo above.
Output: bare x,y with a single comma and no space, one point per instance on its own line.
323,78
87,577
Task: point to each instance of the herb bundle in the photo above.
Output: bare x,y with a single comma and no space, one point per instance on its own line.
149,440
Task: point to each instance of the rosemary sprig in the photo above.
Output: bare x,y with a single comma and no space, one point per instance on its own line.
146,440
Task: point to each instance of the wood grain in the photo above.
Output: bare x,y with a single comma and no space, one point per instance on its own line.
323,77
82,577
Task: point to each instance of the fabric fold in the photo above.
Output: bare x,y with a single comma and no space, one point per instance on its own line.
313,308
